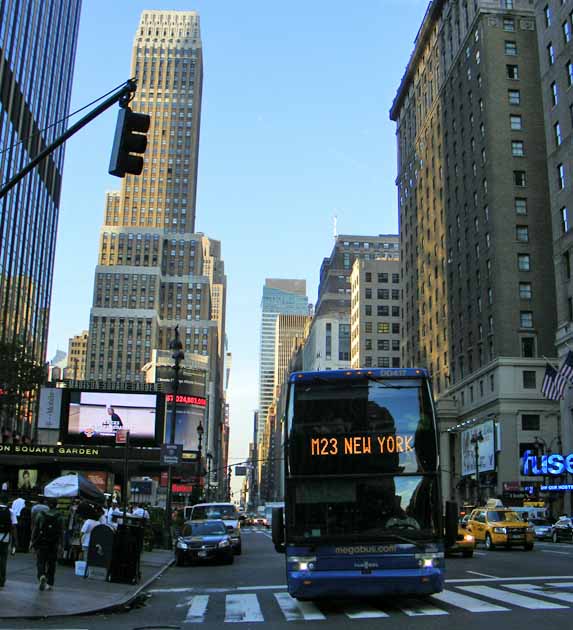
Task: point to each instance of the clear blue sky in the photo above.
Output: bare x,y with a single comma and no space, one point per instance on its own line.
294,130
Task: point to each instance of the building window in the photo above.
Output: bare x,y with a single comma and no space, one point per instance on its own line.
528,347
328,347
382,277
395,362
368,276
368,310
395,278
557,134
547,15
519,178
554,94
526,319
530,422
395,345
396,329
508,25
564,220
550,54
569,68
382,310
517,148
560,176
515,122
511,48
368,361
395,311
525,290
512,71
514,97
566,265
523,262
508,4
520,206
368,344
383,328
566,27
529,379
522,233
368,327
384,344
368,293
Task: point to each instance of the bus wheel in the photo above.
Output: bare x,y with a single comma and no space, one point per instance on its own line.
488,543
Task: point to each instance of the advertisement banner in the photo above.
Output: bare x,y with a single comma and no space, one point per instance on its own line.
486,448
50,408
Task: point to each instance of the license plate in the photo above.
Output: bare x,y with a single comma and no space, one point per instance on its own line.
202,554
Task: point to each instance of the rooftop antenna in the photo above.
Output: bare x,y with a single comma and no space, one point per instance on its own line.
335,226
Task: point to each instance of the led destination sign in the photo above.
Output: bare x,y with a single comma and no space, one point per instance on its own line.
554,464
361,445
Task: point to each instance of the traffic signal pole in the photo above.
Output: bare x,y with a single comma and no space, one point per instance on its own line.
123,92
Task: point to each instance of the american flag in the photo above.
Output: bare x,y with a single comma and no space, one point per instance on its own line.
566,370
553,386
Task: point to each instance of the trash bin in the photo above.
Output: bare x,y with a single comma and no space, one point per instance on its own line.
127,547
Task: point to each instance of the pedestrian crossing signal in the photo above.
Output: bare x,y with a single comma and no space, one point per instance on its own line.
129,138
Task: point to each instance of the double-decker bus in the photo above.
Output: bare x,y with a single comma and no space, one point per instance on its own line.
363,510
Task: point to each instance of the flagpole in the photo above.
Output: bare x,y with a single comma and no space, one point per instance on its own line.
553,365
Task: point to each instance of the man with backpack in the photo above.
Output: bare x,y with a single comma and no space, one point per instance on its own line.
46,539
8,522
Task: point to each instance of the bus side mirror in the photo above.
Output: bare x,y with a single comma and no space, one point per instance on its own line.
451,522
278,530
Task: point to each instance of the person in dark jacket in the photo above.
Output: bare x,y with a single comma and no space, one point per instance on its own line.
46,538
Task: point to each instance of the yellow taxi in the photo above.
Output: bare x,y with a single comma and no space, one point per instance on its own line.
465,544
495,525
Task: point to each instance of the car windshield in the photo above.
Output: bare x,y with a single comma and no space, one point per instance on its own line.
214,511
503,516
204,529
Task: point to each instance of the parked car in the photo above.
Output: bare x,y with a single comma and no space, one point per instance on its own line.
562,530
202,541
541,528
465,544
500,526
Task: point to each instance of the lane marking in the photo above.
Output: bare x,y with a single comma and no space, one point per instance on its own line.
356,610
483,575
243,609
198,609
536,589
418,608
294,610
511,598
509,579
268,587
559,553
466,602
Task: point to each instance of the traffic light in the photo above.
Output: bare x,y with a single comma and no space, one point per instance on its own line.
129,138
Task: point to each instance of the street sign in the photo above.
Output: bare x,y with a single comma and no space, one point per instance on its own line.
171,454
121,436
240,471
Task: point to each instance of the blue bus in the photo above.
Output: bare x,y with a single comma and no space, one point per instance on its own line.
363,507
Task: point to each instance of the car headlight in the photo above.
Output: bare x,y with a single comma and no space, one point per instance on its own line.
530,530
223,544
181,544
303,563
469,538
499,530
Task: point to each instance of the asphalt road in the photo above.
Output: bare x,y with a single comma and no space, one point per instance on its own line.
498,589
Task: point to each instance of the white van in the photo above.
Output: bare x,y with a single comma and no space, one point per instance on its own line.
226,512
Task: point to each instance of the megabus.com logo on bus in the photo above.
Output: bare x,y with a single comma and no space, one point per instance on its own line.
554,464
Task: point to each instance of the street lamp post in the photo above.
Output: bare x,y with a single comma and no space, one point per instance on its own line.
200,431
209,458
475,440
177,355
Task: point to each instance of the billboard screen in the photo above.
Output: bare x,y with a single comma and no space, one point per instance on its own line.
486,448
94,417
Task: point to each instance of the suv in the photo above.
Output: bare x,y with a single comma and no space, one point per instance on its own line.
500,526
226,512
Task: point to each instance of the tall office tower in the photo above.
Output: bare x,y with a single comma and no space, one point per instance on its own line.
290,331
477,270
38,45
375,316
554,32
279,296
328,343
153,270
77,353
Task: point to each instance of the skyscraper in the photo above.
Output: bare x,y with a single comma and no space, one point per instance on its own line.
153,271
38,43
476,264
280,296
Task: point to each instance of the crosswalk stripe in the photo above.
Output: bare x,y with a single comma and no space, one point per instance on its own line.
511,598
538,589
294,610
466,602
242,608
416,608
363,611
197,609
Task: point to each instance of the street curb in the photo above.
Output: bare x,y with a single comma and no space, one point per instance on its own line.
125,601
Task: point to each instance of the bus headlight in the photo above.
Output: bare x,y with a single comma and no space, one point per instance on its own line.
428,560
302,563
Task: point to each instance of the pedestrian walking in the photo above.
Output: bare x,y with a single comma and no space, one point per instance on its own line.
8,522
46,538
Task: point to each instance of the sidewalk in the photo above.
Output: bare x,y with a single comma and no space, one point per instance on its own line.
72,595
